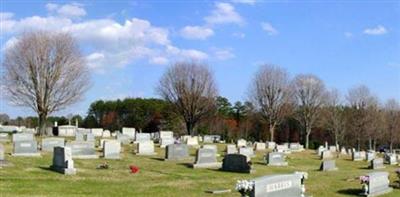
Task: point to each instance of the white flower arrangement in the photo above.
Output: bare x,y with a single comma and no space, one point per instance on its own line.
245,187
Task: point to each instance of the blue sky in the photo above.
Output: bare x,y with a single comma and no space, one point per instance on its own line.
129,44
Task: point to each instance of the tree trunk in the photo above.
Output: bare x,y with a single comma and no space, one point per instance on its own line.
42,123
272,131
370,143
189,128
308,132
391,146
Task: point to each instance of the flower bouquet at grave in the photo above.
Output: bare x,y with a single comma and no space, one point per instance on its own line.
245,187
364,182
304,176
134,169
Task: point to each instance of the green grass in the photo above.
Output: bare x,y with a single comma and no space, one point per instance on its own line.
31,176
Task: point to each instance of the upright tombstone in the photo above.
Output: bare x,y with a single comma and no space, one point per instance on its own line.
22,137
145,148
208,139
142,137
62,161
259,146
248,151
4,137
176,152
106,134
356,156
90,137
3,161
26,149
97,132
231,149
376,163
82,150
282,149
48,144
328,165
370,155
333,149
111,149
280,185
79,136
390,158
212,147
270,145
236,163
130,132
343,151
378,184
295,147
67,130
326,154
275,159
206,158
241,143
166,138
320,150
124,139
192,141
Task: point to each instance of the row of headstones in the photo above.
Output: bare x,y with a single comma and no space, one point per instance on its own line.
283,148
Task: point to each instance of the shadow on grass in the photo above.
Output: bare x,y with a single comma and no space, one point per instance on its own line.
188,165
157,158
364,168
352,192
47,169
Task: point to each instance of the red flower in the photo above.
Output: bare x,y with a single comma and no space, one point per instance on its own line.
134,169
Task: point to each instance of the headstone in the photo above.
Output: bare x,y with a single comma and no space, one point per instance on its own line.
111,149
130,132
390,158
370,155
271,145
22,137
79,136
212,138
296,147
282,148
280,185
4,137
320,150
142,137
25,148
124,139
3,161
326,154
97,132
356,156
332,149
246,151
212,147
82,150
90,137
66,130
106,134
176,152
145,148
241,143
164,142
328,165
62,161
236,163
206,158
343,151
378,184
376,163
275,159
192,141
259,146
231,149
48,144
166,134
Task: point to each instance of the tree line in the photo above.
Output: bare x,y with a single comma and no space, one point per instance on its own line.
46,72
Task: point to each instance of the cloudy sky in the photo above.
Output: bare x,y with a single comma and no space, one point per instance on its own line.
129,44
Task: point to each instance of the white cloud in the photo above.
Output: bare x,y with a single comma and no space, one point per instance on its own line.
109,43
378,30
196,32
223,54
269,29
224,13
250,2
348,34
67,10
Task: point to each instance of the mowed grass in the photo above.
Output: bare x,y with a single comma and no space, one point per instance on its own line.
32,177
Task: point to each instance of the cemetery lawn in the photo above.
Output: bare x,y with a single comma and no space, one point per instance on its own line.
32,177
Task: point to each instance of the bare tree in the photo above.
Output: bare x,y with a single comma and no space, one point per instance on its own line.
362,104
392,120
190,87
46,72
310,94
335,115
270,91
